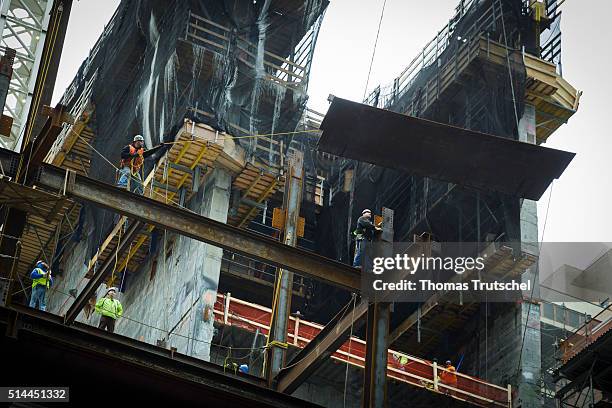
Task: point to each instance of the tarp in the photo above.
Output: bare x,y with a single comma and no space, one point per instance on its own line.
448,153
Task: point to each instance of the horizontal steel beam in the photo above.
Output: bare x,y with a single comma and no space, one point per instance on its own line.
203,229
94,354
316,352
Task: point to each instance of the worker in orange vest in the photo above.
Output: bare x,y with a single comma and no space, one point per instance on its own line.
132,159
449,377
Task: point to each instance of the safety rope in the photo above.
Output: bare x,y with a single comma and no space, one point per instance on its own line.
176,334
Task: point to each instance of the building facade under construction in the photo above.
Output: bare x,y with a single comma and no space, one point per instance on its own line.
200,258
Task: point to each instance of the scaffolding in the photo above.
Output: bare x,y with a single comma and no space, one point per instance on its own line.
23,27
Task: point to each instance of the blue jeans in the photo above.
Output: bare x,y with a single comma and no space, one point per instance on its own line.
38,297
359,247
134,181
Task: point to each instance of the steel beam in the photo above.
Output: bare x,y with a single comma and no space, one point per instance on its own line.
100,274
377,342
38,148
160,375
317,351
284,278
201,228
375,373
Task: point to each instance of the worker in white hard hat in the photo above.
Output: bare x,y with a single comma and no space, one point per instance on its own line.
448,376
132,159
365,231
110,310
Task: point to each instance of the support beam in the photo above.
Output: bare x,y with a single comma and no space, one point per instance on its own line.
165,377
99,276
377,333
284,278
375,373
318,350
201,228
36,149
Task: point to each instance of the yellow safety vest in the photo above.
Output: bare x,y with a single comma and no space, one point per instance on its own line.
40,281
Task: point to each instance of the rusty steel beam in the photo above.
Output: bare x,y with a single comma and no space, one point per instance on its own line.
375,373
280,320
93,284
317,351
201,228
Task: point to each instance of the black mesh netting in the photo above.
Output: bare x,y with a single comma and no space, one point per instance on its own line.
482,95
239,66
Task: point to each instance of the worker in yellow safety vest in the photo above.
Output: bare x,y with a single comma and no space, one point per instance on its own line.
110,310
41,281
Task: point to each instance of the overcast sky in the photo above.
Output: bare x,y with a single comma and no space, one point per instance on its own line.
581,198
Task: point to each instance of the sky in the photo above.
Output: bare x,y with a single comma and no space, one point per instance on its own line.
578,209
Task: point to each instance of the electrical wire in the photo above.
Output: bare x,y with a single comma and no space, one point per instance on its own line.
176,334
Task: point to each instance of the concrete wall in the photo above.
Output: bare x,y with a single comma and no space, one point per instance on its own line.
185,283
181,292
74,268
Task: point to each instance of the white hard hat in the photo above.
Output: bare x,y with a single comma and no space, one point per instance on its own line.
113,289
138,138
366,211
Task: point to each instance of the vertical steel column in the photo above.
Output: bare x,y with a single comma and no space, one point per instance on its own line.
379,314
375,374
291,203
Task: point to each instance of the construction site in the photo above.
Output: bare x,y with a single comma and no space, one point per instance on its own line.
184,177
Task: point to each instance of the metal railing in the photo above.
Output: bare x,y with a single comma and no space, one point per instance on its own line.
587,334
386,96
290,71
401,367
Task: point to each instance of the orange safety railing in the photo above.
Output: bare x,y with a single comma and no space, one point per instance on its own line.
587,334
414,371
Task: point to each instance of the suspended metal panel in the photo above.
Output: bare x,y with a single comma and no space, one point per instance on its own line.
23,26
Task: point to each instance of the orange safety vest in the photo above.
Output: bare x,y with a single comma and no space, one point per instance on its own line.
134,162
449,377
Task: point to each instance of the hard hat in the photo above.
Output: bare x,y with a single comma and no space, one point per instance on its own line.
42,263
243,368
366,211
113,289
138,138
448,362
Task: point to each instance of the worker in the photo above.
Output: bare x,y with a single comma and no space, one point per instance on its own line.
41,281
110,310
132,159
365,231
401,360
448,376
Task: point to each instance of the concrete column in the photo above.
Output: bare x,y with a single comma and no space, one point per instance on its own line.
529,208
531,359
213,202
